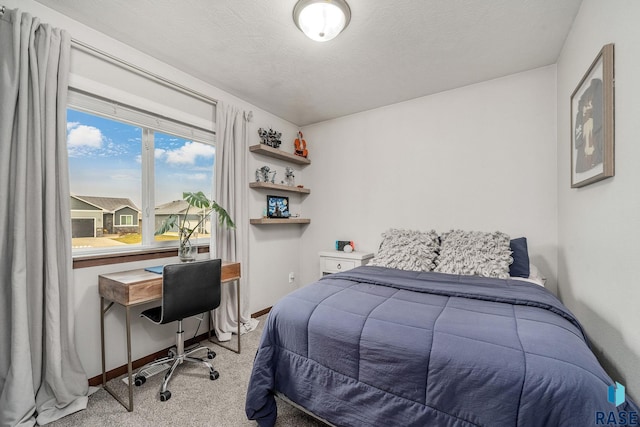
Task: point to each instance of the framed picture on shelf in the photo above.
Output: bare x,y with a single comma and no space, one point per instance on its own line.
278,207
592,122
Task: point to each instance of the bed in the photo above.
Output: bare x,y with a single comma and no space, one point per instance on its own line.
386,346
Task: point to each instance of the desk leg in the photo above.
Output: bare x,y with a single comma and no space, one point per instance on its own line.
236,350
238,312
103,310
129,366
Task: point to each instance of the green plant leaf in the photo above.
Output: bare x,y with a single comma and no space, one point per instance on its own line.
167,225
198,200
223,216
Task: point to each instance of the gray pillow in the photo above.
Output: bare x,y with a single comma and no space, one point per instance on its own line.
407,250
474,253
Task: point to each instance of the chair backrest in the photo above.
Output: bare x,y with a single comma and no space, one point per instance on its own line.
190,288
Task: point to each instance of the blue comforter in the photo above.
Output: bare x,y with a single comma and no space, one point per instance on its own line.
375,346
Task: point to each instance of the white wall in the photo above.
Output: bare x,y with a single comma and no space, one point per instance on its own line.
481,157
599,225
274,252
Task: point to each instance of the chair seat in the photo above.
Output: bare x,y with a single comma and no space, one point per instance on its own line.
154,314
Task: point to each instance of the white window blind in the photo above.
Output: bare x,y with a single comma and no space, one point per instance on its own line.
106,76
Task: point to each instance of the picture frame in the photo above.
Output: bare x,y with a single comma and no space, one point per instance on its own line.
592,122
278,207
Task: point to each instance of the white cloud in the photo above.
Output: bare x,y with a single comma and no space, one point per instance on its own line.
84,136
188,153
191,176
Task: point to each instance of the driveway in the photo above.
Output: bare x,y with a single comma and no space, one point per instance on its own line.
94,242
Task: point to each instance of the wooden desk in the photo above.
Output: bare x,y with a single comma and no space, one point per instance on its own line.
134,287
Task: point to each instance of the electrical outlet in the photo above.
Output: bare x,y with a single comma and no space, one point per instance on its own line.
291,277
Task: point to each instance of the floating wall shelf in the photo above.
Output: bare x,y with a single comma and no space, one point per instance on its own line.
279,187
279,154
272,221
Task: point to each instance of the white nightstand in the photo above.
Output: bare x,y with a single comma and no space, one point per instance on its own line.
336,261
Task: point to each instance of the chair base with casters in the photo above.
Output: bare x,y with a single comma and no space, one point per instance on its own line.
176,356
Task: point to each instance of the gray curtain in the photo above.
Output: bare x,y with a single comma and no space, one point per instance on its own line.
41,377
232,186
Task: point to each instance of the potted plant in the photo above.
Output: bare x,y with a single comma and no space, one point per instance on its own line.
186,251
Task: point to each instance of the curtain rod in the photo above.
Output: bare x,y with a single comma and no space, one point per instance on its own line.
140,71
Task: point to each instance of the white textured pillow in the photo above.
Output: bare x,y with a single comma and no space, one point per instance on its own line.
407,250
474,253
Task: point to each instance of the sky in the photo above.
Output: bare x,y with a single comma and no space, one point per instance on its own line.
105,159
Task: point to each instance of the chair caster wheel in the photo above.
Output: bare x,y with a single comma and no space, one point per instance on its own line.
172,353
139,380
214,375
211,354
165,395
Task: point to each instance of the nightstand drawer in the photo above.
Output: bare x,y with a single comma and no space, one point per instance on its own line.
334,265
337,261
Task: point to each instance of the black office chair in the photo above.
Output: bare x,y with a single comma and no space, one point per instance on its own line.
188,289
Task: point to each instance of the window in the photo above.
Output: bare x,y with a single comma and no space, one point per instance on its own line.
126,219
128,170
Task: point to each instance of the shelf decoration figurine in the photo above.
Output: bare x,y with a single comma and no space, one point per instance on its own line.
180,221
270,137
289,177
301,146
262,174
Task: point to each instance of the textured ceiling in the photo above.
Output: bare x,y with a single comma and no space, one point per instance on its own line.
391,51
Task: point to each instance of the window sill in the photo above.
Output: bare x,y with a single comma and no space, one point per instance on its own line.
84,261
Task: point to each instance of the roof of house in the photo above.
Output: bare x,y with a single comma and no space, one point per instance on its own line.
110,204
177,207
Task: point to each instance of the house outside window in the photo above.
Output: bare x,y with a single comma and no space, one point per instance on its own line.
128,170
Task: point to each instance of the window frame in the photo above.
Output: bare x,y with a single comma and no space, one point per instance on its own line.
149,123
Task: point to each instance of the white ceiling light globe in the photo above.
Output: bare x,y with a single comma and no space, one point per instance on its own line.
321,20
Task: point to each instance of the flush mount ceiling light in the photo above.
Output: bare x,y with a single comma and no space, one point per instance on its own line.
321,20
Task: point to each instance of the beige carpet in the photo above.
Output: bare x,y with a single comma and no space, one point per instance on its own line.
195,399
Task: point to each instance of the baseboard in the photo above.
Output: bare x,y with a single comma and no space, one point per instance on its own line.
261,312
121,370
